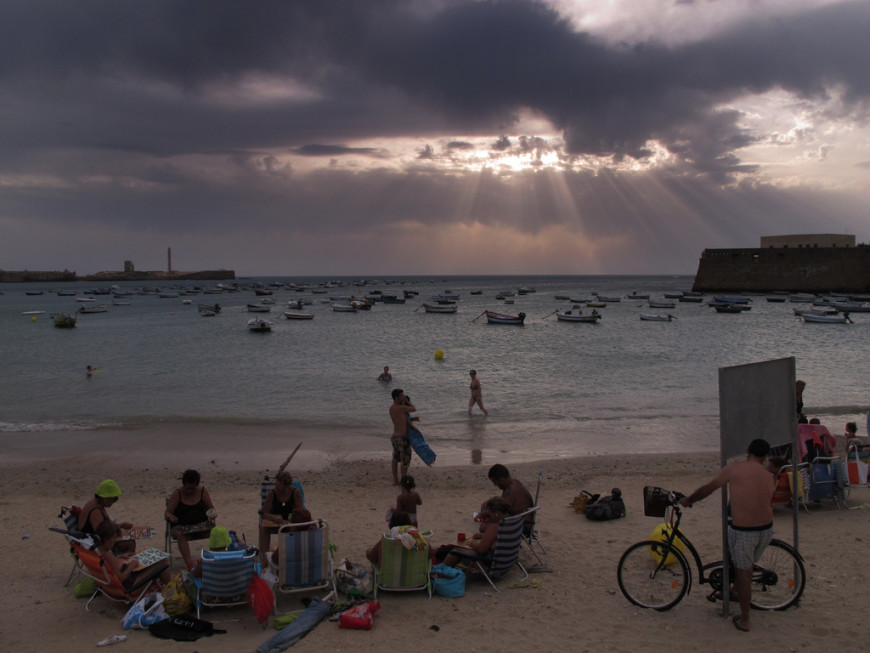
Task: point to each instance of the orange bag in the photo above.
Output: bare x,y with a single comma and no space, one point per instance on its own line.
359,617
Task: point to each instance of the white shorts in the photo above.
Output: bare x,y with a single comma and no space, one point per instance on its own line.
746,546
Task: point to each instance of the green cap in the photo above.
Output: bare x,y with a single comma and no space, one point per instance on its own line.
108,489
219,538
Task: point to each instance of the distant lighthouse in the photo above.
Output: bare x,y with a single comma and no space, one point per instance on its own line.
168,260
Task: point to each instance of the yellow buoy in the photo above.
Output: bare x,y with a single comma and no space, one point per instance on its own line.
33,319
439,354
660,534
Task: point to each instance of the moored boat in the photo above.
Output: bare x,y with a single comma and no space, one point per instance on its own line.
258,308
293,315
64,320
340,307
501,318
440,308
829,319
259,325
98,308
214,308
655,317
577,316
655,303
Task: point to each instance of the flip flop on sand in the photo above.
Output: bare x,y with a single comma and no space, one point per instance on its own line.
739,626
534,583
113,639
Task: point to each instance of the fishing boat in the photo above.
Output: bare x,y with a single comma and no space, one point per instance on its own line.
259,325
98,308
577,316
655,303
64,320
293,315
501,318
654,317
258,308
829,319
440,308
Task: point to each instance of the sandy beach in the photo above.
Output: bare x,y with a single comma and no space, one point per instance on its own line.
577,605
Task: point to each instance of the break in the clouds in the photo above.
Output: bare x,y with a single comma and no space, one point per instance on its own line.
401,137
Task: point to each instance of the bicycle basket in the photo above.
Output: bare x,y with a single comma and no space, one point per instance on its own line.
655,501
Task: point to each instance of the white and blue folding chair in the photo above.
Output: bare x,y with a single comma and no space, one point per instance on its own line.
226,576
505,551
305,558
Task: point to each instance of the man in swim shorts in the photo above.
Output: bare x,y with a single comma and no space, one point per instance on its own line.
750,489
399,411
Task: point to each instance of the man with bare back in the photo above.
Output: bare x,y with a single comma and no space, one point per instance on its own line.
750,489
399,412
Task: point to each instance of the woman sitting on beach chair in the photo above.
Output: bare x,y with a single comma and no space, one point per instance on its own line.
120,565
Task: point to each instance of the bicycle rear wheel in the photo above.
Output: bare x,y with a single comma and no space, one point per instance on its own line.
649,584
778,578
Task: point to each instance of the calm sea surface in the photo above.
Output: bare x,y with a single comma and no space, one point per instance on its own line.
553,389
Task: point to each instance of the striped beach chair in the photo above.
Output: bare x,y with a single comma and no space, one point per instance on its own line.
401,569
226,576
305,558
505,552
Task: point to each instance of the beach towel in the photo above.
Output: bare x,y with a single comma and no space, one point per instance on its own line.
313,615
418,444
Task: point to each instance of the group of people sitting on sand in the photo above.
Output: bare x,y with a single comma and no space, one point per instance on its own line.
190,505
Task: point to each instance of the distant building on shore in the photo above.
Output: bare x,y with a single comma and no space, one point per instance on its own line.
795,263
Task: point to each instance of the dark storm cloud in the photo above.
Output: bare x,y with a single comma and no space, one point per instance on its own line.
336,150
465,66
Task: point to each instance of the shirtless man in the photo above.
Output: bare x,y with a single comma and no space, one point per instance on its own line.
515,493
385,375
399,411
750,488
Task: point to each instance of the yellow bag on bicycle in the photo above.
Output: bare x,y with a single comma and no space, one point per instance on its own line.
661,533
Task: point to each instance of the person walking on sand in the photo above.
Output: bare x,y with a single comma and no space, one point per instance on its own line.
399,412
750,489
476,394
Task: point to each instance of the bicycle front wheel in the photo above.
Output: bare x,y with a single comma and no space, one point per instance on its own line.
778,578
646,582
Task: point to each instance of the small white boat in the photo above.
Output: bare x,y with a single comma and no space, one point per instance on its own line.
501,318
207,312
259,325
340,307
828,319
440,308
187,302
693,299
850,307
85,299
258,308
654,303
120,302
32,312
654,317
577,316
815,311
99,308
293,315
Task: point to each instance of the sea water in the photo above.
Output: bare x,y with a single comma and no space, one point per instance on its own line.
553,389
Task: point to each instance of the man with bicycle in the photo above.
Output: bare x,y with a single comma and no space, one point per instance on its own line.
750,489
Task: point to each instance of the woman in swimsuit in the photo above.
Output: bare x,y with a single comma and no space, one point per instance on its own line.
188,505
95,512
476,394
277,509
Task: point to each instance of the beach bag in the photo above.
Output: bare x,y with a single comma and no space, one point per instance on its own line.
609,507
260,598
146,611
354,581
183,629
447,581
179,593
359,617
584,499
237,544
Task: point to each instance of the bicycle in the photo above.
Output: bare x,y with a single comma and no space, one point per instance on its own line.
657,574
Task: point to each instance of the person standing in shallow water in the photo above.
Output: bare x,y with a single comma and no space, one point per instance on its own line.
476,393
399,412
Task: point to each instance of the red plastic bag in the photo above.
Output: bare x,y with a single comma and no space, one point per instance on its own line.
359,617
260,598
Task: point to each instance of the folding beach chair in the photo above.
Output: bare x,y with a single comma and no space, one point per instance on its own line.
505,552
305,558
827,480
226,576
402,569
70,517
93,565
785,482
857,459
531,536
193,532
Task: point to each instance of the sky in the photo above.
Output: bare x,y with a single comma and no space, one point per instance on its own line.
403,137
